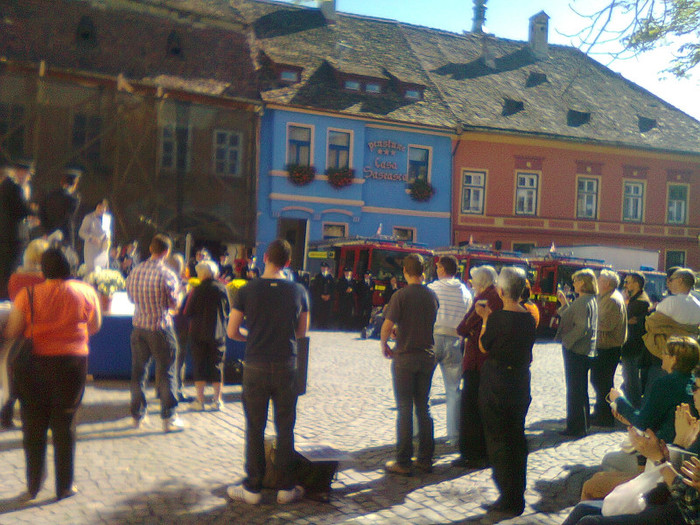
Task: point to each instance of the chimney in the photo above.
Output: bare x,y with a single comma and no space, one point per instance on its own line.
328,11
479,16
487,55
539,31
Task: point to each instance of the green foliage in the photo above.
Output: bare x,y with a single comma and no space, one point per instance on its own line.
638,26
421,190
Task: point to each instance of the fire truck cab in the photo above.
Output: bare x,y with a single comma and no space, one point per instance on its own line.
549,273
381,256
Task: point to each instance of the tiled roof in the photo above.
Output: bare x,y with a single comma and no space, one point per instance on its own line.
551,89
567,95
132,39
300,36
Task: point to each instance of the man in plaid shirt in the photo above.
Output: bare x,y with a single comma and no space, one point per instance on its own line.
153,288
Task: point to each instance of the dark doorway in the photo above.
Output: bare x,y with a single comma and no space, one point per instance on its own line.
294,231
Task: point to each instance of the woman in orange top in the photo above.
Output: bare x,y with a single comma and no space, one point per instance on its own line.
62,316
27,275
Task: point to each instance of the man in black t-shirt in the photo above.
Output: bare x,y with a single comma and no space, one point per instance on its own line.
413,309
276,312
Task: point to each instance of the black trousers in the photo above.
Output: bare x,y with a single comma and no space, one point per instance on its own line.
472,443
504,400
602,378
49,395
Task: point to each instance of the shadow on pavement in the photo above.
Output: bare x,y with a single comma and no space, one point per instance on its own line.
557,495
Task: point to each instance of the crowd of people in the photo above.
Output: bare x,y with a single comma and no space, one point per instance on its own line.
481,335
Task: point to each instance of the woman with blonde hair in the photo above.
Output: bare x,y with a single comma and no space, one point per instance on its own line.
577,333
26,275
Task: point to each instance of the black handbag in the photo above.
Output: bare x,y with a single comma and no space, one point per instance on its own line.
19,357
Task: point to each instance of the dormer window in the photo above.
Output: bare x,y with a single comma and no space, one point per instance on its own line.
287,75
646,124
373,87
535,79
413,94
511,107
85,34
352,85
577,118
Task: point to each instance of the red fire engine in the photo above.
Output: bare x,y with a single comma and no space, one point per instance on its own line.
549,273
381,256
471,256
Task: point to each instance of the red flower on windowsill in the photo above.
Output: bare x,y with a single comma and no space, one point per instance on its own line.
421,190
340,177
301,175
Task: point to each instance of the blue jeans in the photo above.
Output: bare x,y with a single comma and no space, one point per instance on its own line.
448,354
262,382
160,345
576,368
412,375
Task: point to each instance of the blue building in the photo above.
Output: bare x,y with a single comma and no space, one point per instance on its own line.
345,95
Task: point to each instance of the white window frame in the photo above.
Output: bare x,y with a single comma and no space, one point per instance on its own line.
630,197
344,225
227,163
477,209
677,204
411,229
172,127
585,213
350,146
408,161
526,192
311,143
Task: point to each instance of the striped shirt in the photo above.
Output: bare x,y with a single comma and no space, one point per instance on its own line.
153,288
455,300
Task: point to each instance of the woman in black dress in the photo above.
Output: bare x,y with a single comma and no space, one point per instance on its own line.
507,337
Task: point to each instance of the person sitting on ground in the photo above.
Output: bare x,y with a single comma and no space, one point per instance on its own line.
208,309
658,408
683,506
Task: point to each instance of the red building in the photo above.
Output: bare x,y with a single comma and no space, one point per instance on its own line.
554,147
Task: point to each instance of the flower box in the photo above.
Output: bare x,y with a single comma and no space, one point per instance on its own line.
301,175
421,190
340,177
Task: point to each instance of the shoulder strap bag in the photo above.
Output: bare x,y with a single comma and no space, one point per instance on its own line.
19,358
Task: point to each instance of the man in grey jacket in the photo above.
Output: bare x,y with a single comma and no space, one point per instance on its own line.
455,300
612,334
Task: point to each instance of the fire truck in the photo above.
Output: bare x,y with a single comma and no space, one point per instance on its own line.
381,256
550,273
472,256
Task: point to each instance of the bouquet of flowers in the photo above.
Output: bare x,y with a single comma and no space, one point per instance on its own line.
106,282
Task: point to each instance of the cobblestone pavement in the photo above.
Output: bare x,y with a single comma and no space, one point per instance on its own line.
145,476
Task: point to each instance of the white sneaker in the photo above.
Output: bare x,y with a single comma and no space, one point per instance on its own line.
240,493
173,424
197,406
290,496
